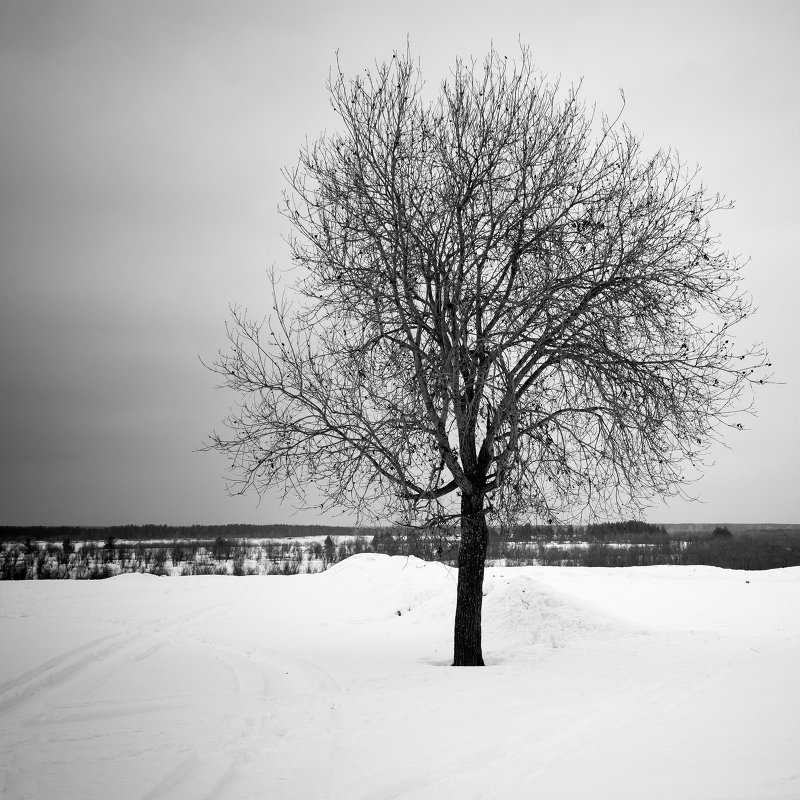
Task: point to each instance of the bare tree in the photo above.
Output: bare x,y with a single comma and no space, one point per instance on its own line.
502,309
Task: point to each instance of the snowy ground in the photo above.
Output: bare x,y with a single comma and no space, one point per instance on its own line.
657,682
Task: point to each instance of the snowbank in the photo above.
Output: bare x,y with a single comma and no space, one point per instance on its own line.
662,682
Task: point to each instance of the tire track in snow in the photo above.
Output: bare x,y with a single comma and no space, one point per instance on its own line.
93,655
169,782
284,694
57,670
35,718
194,779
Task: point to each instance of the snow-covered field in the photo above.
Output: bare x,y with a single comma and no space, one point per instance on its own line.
656,682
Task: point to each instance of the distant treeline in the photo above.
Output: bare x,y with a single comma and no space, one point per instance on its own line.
35,559
630,531
44,533
600,531
688,529
520,533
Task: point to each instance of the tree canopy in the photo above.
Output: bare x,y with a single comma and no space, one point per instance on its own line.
492,281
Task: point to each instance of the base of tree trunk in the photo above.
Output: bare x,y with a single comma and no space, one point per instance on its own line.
467,650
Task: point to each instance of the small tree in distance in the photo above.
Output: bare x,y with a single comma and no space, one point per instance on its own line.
329,550
505,310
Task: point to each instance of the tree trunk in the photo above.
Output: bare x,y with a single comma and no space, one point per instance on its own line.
469,595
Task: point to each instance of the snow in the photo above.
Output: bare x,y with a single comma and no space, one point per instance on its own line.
657,682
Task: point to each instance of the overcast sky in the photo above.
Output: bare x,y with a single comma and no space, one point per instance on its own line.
140,153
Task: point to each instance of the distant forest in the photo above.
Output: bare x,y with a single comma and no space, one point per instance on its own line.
102,552
78,533
523,532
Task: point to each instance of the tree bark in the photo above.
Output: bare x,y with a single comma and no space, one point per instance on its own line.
469,594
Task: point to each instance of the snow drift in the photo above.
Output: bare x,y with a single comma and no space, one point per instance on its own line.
659,682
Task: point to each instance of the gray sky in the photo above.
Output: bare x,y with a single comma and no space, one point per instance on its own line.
140,149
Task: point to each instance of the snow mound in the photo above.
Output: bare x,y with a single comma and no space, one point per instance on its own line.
380,586
521,612
134,577
375,564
